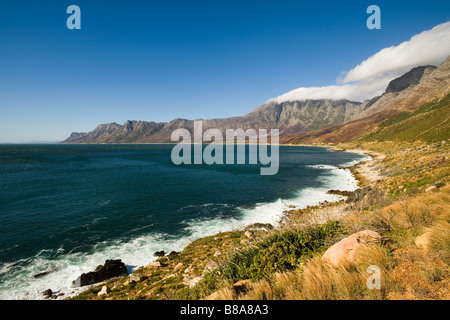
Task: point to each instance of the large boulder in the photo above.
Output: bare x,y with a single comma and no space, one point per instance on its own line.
345,250
111,269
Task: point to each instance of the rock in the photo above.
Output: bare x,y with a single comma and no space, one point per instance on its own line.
345,250
211,266
159,253
193,282
241,286
40,274
111,269
154,264
248,234
105,290
258,226
172,275
173,254
178,266
411,78
430,188
189,269
46,272
48,293
136,277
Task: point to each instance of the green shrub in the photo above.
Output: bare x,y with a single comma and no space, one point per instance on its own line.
279,252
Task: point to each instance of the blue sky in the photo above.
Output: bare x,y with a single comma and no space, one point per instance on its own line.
160,60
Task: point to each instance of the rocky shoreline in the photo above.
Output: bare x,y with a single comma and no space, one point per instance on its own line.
365,172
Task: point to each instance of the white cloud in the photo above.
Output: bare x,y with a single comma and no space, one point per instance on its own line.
371,77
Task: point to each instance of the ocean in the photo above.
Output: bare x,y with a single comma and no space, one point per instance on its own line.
64,209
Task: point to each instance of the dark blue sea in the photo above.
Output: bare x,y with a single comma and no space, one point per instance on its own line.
68,208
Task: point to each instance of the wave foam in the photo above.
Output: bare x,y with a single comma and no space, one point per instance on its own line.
18,281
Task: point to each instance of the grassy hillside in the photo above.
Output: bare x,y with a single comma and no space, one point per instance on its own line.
430,123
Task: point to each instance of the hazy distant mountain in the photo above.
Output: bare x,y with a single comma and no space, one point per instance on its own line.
295,116
298,121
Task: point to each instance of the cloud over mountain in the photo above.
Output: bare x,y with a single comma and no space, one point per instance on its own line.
371,77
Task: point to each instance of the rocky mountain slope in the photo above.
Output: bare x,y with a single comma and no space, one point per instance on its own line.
434,85
295,116
310,121
429,123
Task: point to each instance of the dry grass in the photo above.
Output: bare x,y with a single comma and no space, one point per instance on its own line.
397,207
317,280
420,275
439,239
407,272
406,219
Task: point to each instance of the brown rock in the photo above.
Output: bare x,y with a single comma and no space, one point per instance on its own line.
134,277
48,293
154,264
178,266
189,269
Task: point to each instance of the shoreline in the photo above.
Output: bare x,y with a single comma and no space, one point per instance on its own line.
324,210
317,214
365,172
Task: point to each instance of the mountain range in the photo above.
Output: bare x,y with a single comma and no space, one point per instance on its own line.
308,121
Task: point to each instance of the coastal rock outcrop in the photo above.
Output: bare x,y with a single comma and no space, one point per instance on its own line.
111,269
159,253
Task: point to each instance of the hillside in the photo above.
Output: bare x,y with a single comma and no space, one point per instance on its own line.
398,220
434,85
430,123
403,201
